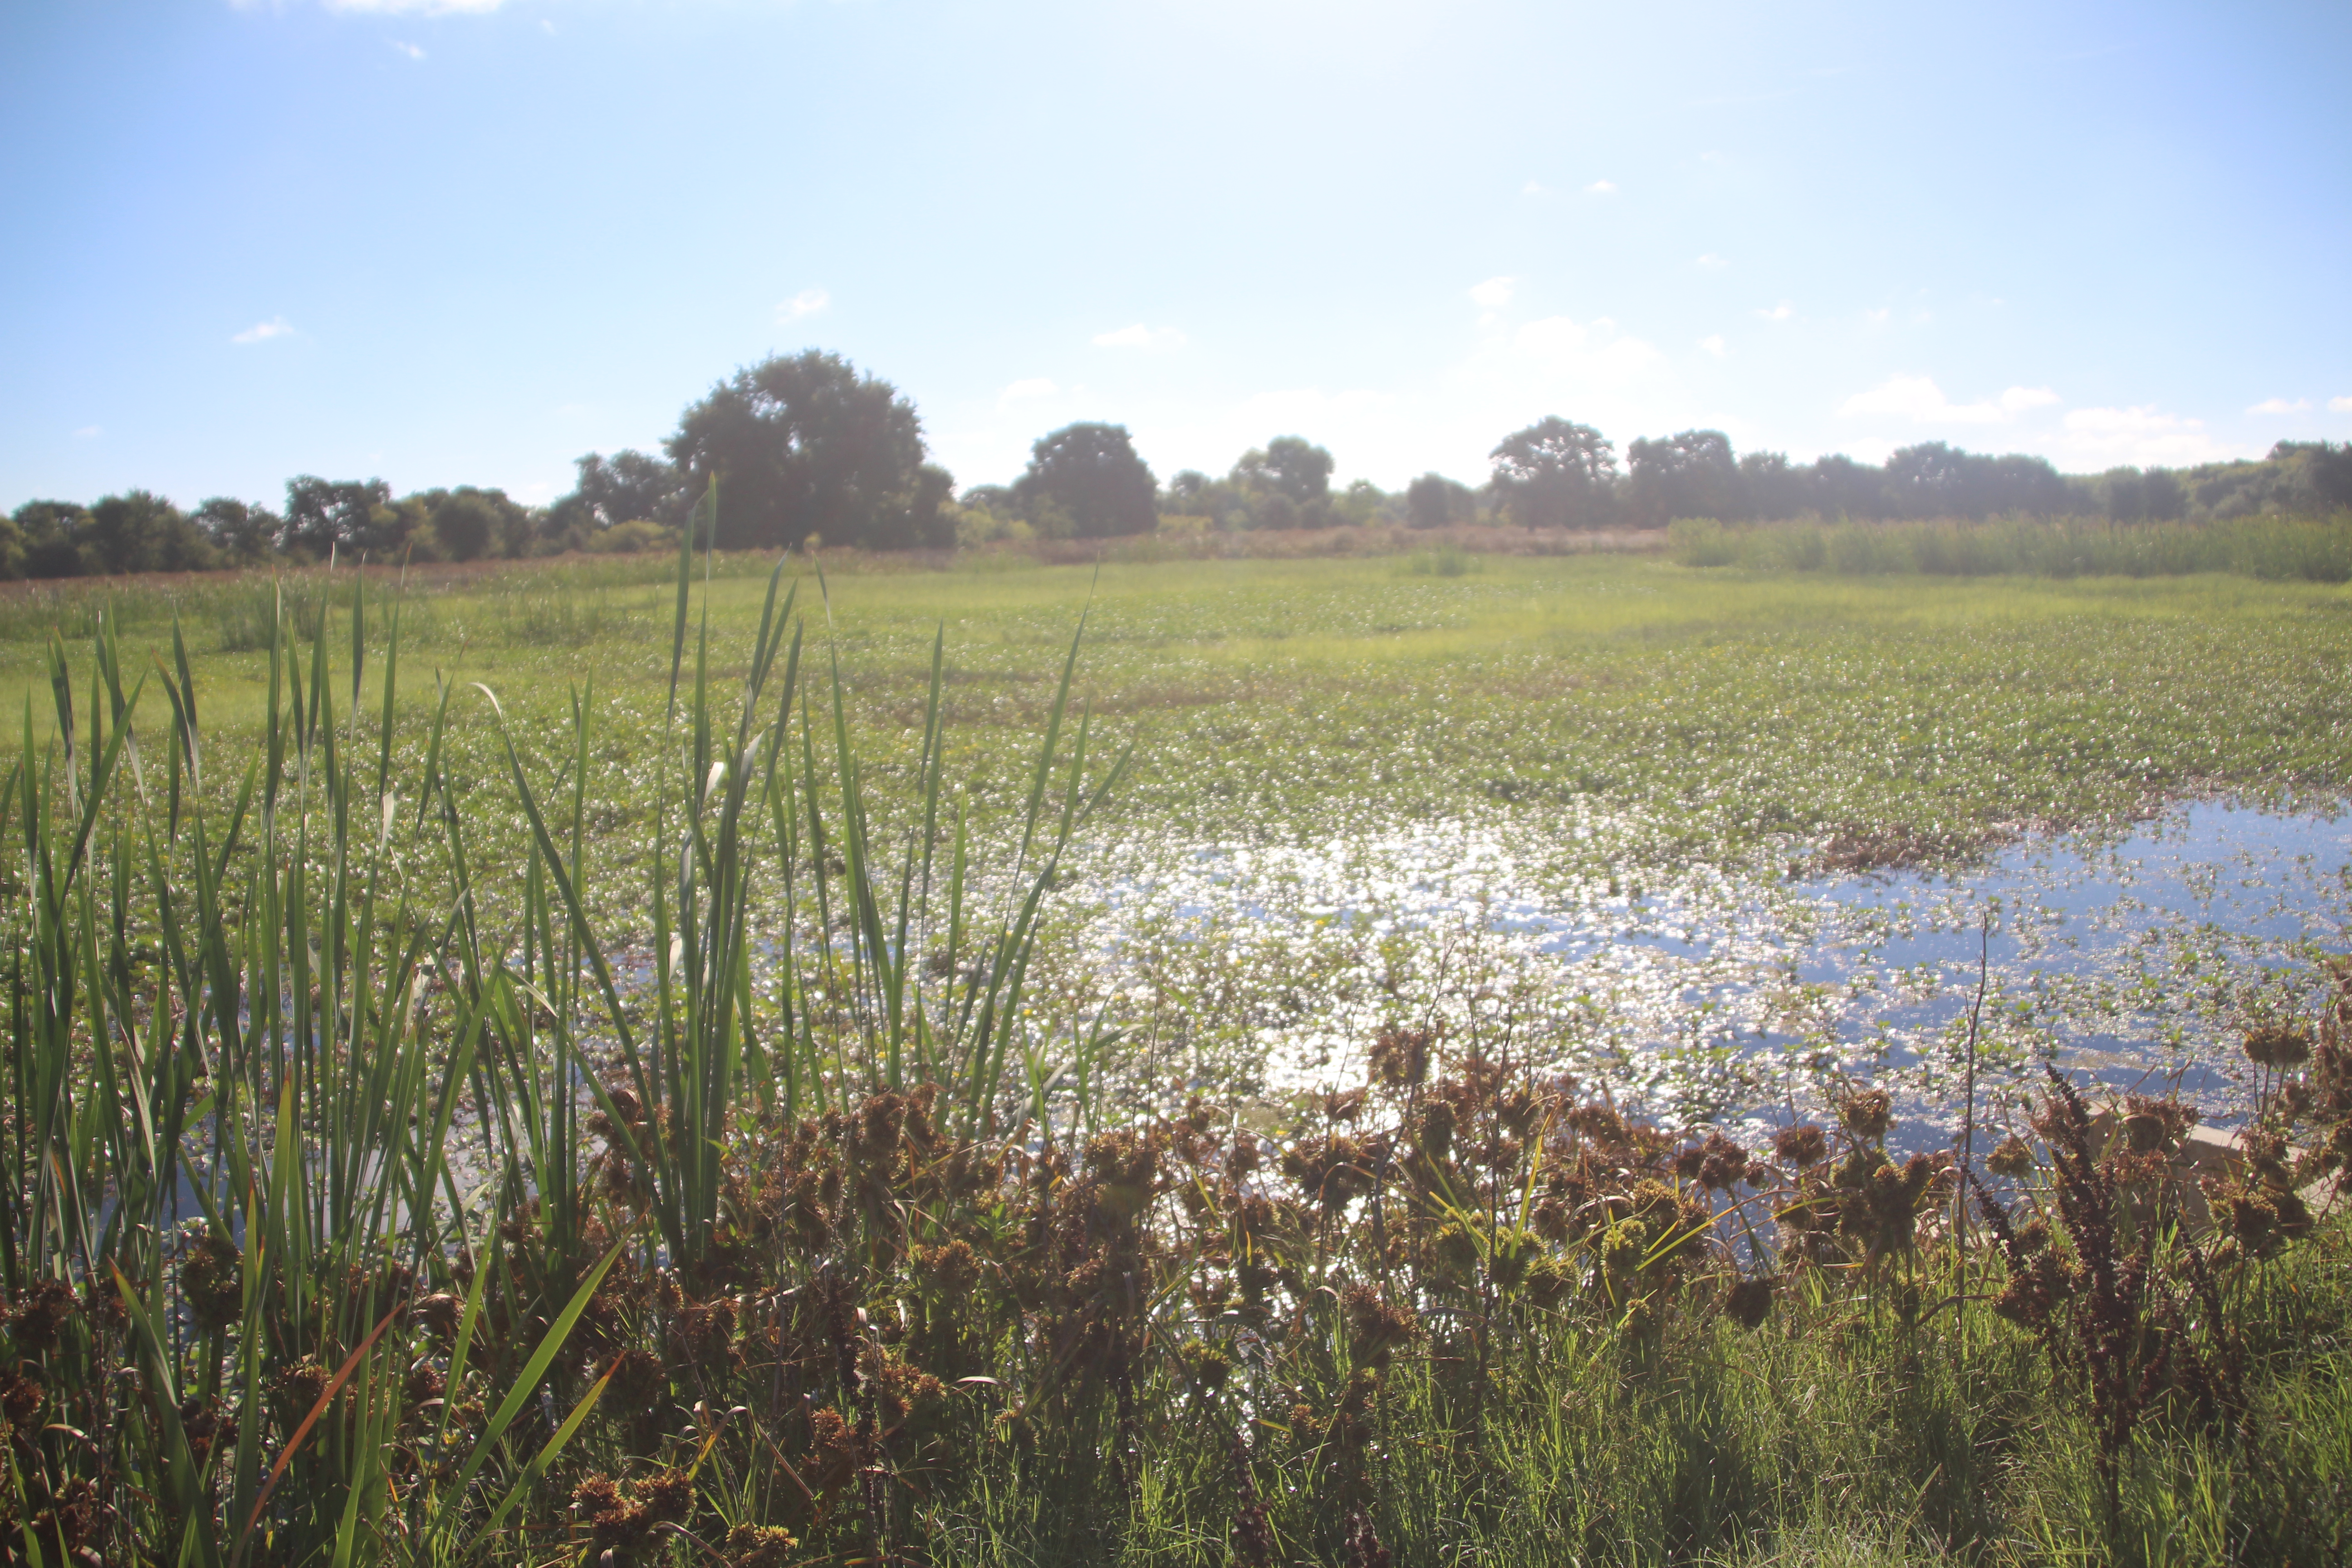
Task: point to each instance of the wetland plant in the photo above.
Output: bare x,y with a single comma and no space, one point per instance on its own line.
365,1205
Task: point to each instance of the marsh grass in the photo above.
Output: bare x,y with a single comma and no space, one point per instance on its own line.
1445,560
2315,550
249,617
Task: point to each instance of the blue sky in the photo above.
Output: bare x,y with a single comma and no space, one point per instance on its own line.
465,243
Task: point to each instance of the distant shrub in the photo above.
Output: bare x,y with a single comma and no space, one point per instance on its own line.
1445,560
2313,550
630,538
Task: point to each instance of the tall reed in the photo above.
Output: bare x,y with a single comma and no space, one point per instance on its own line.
301,1223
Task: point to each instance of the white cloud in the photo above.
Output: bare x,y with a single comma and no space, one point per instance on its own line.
411,50
2104,437
1712,260
2339,405
1535,188
1140,336
807,302
1493,294
1713,344
2281,405
262,331
1779,312
1920,400
1027,390
1878,318
1600,188
87,433
1595,352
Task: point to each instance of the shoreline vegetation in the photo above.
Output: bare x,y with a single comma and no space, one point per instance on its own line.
2269,547
362,1207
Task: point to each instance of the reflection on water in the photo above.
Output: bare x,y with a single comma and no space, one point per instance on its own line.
1702,997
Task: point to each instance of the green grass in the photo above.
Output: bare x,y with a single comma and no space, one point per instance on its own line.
1283,696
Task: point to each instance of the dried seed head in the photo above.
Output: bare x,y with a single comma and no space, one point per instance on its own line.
2152,1122
1207,1363
1601,1124
758,1546
1400,1058
40,1314
1746,1302
1376,1326
1866,1113
2278,1045
2013,1159
1723,1164
1802,1145
211,1278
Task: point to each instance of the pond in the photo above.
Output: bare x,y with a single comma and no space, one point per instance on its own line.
2129,956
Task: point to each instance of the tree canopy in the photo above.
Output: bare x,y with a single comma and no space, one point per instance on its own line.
1434,501
806,445
1692,474
1556,474
1090,476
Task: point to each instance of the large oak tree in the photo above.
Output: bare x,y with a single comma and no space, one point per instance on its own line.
806,445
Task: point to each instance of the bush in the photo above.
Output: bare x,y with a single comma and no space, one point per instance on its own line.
630,538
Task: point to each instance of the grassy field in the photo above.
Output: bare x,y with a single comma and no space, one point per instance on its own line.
657,1113
1727,708
1629,724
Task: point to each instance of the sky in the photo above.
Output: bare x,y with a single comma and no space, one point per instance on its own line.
466,242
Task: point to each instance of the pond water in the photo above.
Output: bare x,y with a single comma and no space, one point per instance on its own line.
2130,957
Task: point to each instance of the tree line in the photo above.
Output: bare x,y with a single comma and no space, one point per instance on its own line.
807,449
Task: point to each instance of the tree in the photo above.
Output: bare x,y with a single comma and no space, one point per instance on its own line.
46,532
1837,485
2016,483
1434,501
1362,502
1091,474
1769,487
997,501
2321,475
806,444
2165,497
1689,475
242,534
1555,474
1290,466
323,516
1193,493
141,531
465,525
1934,480
628,486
